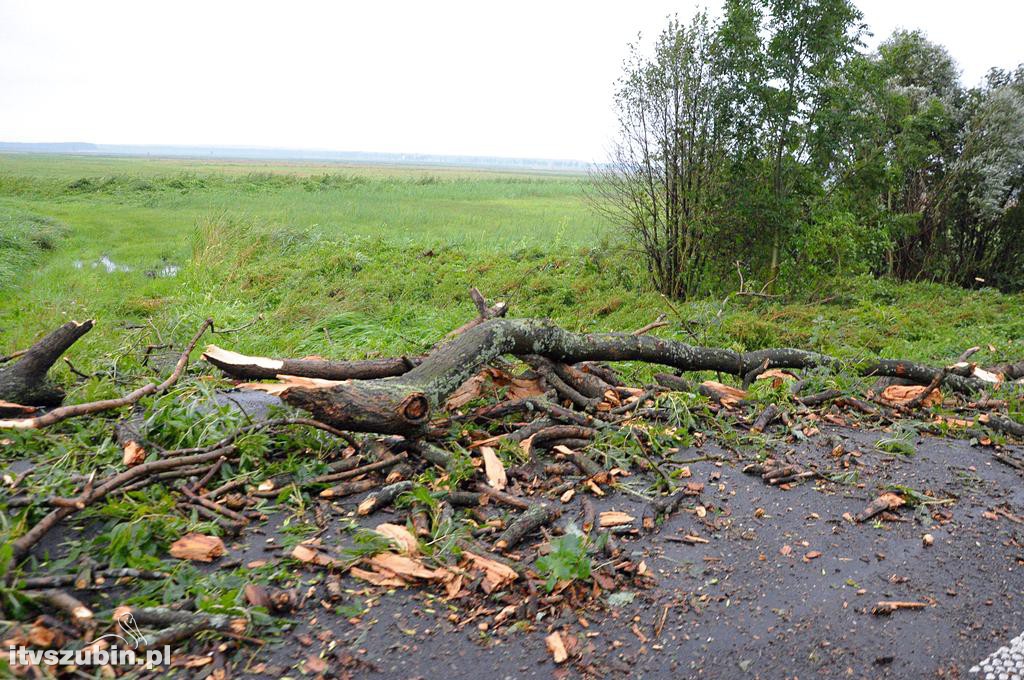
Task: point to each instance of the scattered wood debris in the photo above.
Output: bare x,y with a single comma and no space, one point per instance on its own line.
886,501
889,606
198,547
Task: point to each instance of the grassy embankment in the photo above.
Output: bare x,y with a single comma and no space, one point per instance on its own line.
357,261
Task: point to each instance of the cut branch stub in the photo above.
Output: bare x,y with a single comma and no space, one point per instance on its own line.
25,381
366,406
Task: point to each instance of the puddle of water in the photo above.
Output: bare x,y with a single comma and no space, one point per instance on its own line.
110,265
105,262
166,269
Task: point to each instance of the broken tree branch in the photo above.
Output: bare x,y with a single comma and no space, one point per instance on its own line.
243,367
484,310
403,404
657,323
25,381
67,507
65,412
537,516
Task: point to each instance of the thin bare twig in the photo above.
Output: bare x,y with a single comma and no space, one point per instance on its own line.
64,412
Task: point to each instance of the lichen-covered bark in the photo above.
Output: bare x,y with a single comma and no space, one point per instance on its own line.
402,404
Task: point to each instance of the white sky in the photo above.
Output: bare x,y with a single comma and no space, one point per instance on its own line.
522,78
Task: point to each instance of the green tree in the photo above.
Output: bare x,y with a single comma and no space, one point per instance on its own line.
666,179
773,139
923,104
953,160
978,203
782,55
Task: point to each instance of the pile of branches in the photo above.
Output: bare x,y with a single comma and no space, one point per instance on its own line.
401,416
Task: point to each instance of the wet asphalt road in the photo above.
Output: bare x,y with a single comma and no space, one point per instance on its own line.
738,607
784,587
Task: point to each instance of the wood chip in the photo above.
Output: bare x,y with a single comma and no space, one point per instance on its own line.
378,579
403,566
314,664
556,647
309,555
493,468
467,392
198,661
614,518
198,547
889,606
133,454
902,394
777,376
521,388
400,536
727,394
257,596
496,574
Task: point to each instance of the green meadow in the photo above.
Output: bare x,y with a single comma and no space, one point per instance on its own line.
354,261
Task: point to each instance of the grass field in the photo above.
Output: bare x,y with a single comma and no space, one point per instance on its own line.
351,261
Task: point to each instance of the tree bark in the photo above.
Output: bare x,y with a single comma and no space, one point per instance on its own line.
244,367
25,381
403,404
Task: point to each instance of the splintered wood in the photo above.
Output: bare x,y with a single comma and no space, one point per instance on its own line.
493,468
400,536
407,568
887,501
286,382
556,647
198,547
904,394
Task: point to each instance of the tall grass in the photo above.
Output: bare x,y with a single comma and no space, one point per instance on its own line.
24,238
351,262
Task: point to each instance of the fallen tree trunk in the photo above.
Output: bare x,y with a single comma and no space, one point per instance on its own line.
403,404
25,381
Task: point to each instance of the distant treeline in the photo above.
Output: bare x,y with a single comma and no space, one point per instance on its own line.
773,142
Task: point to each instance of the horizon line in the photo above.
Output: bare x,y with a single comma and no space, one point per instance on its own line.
255,152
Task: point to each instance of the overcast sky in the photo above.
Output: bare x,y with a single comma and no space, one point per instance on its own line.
524,78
